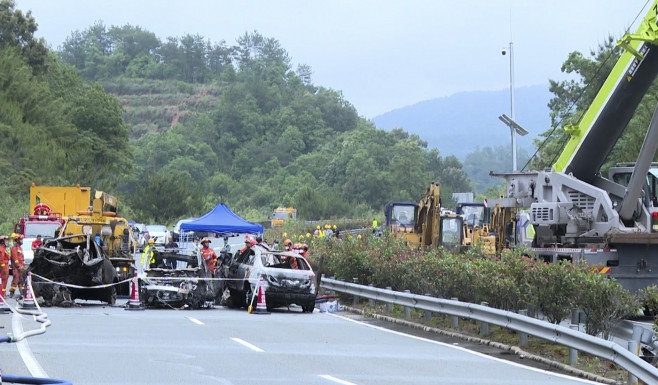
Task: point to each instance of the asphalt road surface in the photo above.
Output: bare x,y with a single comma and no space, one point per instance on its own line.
98,344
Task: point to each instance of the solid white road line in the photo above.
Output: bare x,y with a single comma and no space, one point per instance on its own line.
463,349
336,380
196,321
24,349
247,344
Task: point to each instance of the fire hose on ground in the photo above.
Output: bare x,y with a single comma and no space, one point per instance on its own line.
40,317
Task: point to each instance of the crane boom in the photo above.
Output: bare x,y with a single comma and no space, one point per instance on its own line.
576,213
593,138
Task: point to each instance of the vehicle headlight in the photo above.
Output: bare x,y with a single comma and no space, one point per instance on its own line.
272,280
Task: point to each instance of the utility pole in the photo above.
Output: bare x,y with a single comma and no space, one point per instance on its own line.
510,121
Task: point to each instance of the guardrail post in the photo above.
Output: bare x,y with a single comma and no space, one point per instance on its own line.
575,325
371,302
575,317
355,299
573,353
389,306
634,347
523,337
428,314
407,309
332,291
454,320
484,326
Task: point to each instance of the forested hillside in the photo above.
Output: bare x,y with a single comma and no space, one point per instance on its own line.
205,123
173,127
55,128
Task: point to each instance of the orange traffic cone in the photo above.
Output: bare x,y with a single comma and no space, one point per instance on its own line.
28,300
261,306
135,303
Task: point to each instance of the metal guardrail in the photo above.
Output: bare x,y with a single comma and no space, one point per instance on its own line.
601,348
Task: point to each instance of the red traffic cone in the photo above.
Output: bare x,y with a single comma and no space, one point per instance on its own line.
135,303
28,300
261,306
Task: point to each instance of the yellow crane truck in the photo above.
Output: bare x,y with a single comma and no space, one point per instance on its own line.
115,234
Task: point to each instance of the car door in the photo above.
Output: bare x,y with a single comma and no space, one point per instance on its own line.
236,271
245,270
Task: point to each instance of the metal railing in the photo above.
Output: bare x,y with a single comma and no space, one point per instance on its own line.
574,339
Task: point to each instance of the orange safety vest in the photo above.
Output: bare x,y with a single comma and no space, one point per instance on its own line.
210,257
17,259
4,257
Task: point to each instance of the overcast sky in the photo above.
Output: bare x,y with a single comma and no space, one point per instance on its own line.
381,54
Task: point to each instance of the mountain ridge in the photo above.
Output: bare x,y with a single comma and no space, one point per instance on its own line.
463,122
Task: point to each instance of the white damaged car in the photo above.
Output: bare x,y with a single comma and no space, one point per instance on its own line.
287,277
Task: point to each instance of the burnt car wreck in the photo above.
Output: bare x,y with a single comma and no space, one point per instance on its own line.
77,261
177,281
287,276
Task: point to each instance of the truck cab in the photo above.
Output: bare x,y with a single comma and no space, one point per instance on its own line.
621,174
282,214
41,222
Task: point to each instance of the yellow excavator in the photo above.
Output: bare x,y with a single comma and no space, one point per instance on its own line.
427,224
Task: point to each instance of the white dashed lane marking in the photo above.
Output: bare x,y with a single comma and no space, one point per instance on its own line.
336,380
196,321
247,344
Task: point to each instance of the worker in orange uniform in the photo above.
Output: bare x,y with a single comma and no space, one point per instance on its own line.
304,253
4,266
18,266
248,243
287,244
208,255
304,250
292,261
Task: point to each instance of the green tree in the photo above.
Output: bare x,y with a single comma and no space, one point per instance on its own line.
479,163
573,97
166,197
17,30
100,156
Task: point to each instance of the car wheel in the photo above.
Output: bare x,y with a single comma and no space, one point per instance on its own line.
124,288
143,295
233,301
249,296
195,300
308,308
111,295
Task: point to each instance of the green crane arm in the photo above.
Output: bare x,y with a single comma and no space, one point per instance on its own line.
593,138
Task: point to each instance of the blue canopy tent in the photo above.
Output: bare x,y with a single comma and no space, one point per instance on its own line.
222,220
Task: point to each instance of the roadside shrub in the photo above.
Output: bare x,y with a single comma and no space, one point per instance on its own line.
517,268
509,282
649,299
553,289
348,258
454,274
604,301
495,285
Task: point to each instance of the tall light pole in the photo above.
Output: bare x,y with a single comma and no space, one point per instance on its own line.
510,121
